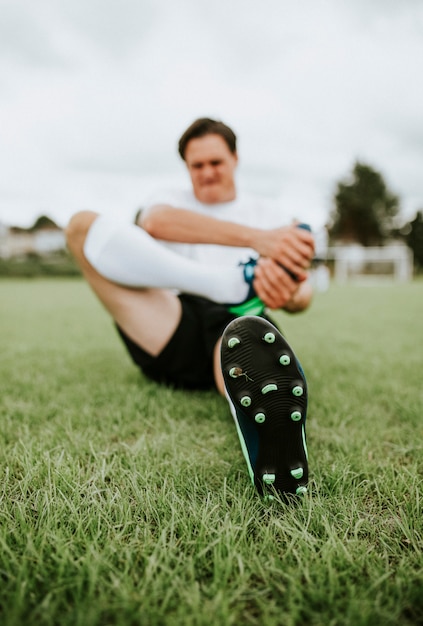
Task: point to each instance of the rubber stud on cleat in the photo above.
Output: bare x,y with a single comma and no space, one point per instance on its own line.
296,416
269,338
234,372
300,491
284,360
233,341
297,473
269,479
245,401
269,387
260,418
298,391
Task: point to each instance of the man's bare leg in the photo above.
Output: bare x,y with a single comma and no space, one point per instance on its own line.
217,369
148,316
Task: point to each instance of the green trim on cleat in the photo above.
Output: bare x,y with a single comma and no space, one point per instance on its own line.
303,435
297,473
284,359
260,418
252,307
296,416
298,391
269,338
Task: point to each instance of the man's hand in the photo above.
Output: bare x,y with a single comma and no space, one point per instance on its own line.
290,246
277,289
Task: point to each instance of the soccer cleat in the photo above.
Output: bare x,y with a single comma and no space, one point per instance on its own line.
252,305
267,393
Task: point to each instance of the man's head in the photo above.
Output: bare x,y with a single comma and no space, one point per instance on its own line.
206,126
208,148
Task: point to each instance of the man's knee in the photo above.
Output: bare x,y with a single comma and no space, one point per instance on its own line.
77,229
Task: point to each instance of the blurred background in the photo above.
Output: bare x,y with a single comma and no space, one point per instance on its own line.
326,97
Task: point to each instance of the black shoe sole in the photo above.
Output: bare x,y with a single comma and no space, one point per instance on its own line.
269,392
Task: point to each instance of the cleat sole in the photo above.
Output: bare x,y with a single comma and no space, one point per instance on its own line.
269,403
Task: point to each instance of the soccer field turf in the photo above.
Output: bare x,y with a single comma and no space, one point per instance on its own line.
122,502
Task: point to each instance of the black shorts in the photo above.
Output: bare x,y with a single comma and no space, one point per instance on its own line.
187,360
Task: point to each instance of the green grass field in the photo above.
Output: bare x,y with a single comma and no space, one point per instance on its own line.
122,502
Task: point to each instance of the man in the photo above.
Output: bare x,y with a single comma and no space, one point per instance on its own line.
200,243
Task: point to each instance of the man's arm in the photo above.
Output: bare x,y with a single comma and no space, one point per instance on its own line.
185,226
290,246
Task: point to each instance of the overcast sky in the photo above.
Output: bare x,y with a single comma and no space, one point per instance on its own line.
94,95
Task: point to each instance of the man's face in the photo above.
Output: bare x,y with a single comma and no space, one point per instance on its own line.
211,166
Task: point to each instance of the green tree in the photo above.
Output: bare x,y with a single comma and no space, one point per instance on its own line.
43,222
414,238
364,208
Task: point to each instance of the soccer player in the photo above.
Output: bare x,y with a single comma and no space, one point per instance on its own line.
199,265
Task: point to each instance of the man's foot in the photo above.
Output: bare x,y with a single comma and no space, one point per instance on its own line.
252,305
268,398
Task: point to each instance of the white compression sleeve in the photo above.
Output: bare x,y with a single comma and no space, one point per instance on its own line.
126,254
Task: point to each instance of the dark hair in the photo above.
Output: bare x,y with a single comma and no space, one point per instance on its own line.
205,126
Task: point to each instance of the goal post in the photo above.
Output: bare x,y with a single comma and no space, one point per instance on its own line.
355,263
